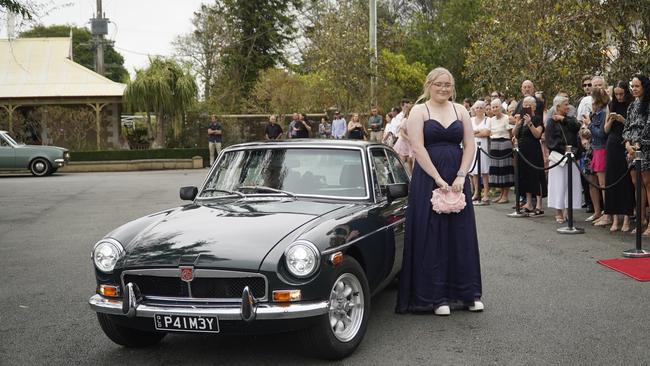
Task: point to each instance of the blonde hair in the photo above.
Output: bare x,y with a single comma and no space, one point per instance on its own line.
431,77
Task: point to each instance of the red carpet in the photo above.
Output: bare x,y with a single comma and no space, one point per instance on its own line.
637,268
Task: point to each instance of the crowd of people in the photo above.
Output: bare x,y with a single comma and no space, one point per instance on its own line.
603,132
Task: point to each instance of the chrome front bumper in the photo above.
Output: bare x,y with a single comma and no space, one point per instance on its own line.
60,162
260,311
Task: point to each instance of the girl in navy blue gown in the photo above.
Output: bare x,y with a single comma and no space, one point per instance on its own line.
441,259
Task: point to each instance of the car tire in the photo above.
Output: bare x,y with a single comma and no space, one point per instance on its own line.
333,339
40,167
128,337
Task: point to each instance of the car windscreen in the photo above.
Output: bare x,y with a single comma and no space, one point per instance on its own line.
10,140
299,171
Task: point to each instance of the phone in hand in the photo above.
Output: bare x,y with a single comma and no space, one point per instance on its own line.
526,110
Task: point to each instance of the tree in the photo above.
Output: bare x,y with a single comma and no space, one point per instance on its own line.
553,43
18,7
165,88
259,31
82,49
203,48
398,78
438,34
627,29
280,91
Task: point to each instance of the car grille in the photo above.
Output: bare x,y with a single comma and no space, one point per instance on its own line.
207,288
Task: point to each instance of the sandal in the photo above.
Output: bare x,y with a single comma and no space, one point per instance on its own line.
625,229
559,219
614,228
603,223
502,201
537,212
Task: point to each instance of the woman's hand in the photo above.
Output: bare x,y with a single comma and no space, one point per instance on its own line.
558,117
527,120
458,184
441,183
585,119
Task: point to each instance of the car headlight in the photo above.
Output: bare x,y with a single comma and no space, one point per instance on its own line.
106,253
302,258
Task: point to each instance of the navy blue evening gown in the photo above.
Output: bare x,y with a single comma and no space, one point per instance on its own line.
441,258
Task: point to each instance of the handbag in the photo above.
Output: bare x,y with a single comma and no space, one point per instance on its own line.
555,156
447,201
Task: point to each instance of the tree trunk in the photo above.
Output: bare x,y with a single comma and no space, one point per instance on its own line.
159,141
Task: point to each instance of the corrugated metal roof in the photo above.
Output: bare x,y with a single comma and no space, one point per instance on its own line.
40,67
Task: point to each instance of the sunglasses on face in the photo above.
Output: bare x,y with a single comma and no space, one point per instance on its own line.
586,85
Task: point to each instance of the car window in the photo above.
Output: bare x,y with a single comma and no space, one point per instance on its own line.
396,166
3,142
303,171
383,175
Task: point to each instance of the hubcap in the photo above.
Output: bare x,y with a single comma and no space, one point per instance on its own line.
39,166
346,307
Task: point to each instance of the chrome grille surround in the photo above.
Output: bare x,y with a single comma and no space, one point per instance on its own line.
199,273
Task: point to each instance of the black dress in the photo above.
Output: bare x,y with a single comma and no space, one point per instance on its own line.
356,133
441,258
619,200
531,180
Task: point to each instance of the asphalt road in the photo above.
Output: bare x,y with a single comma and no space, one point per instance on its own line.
547,300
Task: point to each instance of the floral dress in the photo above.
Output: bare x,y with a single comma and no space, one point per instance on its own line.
637,131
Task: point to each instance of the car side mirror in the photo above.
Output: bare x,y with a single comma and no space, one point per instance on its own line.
188,193
396,190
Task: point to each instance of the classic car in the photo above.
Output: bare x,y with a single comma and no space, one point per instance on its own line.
40,160
281,236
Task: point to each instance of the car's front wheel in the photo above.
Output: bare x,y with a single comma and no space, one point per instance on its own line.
338,333
128,337
40,167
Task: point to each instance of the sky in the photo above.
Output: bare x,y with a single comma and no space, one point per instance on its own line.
138,27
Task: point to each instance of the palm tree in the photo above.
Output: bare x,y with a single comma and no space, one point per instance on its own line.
165,88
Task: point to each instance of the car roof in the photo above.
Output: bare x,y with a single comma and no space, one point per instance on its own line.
317,142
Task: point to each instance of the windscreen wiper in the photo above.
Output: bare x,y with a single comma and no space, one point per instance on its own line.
224,191
267,189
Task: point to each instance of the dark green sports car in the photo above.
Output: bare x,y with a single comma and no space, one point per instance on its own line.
40,160
281,236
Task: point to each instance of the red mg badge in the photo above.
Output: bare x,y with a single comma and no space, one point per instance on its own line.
187,274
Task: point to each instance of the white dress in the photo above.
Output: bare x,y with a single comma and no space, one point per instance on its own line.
485,161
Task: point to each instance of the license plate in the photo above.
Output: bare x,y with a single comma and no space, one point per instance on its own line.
186,323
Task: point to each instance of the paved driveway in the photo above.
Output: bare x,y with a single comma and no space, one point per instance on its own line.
547,301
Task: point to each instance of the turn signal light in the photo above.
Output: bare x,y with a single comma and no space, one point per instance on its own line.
286,295
109,291
336,258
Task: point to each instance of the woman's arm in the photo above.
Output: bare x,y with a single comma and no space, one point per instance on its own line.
469,148
350,126
535,126
414,127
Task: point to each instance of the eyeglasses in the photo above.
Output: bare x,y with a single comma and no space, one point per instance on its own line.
443,85
586,85
494,96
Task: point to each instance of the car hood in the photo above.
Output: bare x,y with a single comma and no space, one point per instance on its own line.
41,148
237,235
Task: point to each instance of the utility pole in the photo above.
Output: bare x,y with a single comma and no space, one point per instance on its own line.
99,28
373,52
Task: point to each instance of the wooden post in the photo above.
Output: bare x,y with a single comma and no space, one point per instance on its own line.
97,107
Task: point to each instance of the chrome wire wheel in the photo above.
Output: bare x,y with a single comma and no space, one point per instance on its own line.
346,307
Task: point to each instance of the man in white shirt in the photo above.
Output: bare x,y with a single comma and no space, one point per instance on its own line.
584,108
339,126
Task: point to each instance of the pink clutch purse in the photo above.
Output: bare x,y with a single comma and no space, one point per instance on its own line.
447,201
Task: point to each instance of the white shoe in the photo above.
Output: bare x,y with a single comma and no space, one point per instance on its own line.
442,310
478,306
